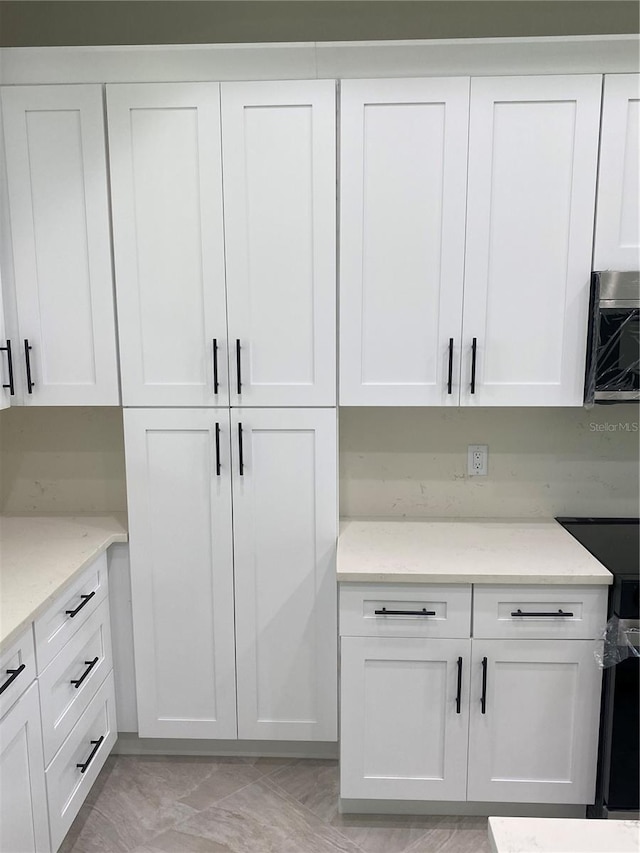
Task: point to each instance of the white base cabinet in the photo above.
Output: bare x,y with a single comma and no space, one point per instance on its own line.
427,717
405,718
183,467
23,801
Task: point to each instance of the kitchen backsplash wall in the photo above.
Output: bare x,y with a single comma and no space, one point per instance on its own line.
542,462
62,460
393,462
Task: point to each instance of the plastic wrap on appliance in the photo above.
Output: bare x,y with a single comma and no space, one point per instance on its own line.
619,641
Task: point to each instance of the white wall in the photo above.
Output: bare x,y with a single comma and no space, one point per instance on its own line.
542,462
62,460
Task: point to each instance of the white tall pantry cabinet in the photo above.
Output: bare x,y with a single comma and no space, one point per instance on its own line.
224,239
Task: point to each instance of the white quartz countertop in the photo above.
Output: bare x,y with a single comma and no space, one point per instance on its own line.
558,835
41,554
496,551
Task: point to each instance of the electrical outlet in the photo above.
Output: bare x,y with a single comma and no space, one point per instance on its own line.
477,460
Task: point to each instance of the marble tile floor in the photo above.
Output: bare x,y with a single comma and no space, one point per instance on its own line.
157,804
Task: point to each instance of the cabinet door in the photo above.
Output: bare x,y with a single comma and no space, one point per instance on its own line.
285,527
57,186
279,153
181,571
403,733
617,242
166,185
7,380
537,739
533,147
23,801
403,175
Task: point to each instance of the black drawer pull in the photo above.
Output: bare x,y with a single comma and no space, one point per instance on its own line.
9,384
459,691
483,699
450,375
90,665
423,612
216,384
558,612
27,361
240,451
96,747
13,674
218,464
86,599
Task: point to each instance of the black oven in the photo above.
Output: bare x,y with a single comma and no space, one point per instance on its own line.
613,347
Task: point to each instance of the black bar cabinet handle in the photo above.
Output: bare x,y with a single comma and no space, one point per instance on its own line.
27,360
558,612
218,466
86,599
459,691
423,612
9,384
474,346
240,450
450,375
238,366
13,673
96,746
90,665
483,700
216,384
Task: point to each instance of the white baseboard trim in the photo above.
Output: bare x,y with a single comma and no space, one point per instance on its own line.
416,807
129,743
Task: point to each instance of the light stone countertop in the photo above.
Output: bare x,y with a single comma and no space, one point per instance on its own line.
558,835
472,550
40,555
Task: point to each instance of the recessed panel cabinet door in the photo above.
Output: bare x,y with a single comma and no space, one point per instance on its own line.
533,148
279,154
534,739
166,186
404,718
285,529
179,495
58,200
24,827
617,243
403,176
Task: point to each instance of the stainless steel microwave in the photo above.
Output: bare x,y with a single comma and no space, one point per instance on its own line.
613,342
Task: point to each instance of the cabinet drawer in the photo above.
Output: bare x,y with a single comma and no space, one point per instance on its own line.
533,612
447,610
92,738
72,678
69,611
17,669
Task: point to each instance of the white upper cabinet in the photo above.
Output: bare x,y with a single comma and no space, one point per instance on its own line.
279,146
402,216
179,495
285,529
617,243
58,200
533,148
166,185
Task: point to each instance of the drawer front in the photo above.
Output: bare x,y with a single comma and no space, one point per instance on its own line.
69,611
67,785
72,678
17,669
533,612
404,610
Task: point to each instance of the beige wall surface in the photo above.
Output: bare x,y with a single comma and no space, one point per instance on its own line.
542,462
393,462
62,460
49,22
